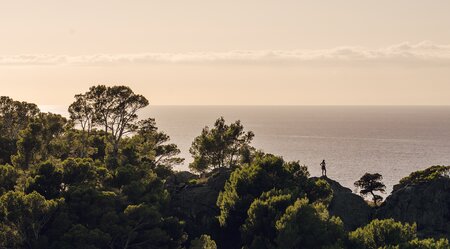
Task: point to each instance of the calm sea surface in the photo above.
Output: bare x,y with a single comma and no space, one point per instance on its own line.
393,141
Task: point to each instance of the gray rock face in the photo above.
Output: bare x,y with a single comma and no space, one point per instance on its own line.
426,204
196,203
351,208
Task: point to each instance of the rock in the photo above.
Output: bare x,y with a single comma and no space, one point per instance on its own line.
351,208
196,203
427,204
179,180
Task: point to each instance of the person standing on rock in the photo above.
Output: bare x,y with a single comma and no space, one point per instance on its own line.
324,168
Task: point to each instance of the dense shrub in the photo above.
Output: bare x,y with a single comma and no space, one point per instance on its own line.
425,175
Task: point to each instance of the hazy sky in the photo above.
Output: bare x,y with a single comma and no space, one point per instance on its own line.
229,52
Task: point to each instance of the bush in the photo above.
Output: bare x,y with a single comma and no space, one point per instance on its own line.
307,226
382,233
422,176
204,242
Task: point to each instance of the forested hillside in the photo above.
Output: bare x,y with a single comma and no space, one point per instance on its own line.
104,179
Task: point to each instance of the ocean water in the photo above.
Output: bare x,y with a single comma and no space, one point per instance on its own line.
392,141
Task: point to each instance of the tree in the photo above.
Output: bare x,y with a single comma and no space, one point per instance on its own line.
369,184
115,108
204,242
221,146
53,127
8,178
157,143
29,143
46,179
81,171
422,176
146,228
391,234
150,148
259,230
249,183
15,116
427,244
309,226
82,112
140,218
8,147
382,233
27,215
80,237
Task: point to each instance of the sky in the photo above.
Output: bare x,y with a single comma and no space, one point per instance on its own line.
206,52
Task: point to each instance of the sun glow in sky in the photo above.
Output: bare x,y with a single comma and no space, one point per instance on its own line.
263,52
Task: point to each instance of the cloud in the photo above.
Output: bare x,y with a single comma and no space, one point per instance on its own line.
424,53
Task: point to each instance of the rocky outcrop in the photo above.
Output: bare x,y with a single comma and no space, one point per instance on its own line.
427,204
179,180
195,201
351,208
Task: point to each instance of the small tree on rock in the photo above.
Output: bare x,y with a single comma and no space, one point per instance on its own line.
369,184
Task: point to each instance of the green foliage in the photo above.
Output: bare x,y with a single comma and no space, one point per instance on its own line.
8,147
15,116
102,179
259,229
113,108
82,113
28,145
369,184
82,171
150,146
427,244
8,178
221,146
36,142
423,176
204,242
70,198
320,190
46,179
80,237
307,225
257,195
250,181
383,233
25,216
392,234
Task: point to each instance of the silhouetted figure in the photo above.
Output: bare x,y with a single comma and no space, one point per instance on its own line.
324,168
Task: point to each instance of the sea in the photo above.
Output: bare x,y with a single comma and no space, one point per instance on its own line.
391,140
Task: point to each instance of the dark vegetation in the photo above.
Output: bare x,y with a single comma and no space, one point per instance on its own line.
369,184
105,179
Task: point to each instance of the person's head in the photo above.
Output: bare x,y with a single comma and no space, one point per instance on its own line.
323,160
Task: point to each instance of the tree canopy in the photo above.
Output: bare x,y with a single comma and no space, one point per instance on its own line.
392,234
221,146
369,184
104,178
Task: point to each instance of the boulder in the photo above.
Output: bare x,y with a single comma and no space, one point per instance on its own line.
196,202
351,208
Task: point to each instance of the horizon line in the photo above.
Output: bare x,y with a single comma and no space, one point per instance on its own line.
280,105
